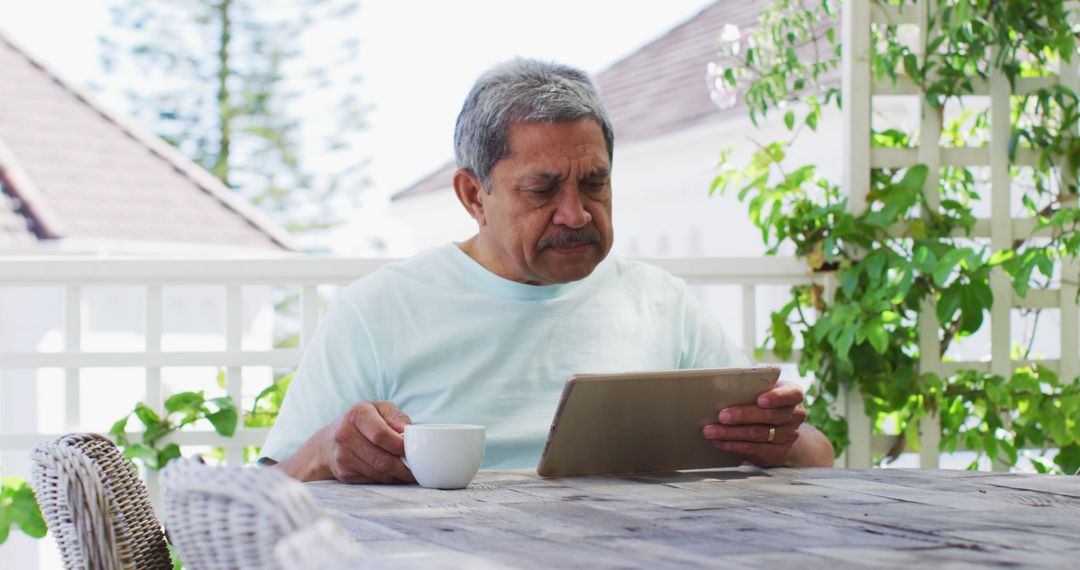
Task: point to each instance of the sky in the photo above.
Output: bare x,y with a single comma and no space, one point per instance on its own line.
417,58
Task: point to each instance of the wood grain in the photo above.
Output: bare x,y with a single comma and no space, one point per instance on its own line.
745,517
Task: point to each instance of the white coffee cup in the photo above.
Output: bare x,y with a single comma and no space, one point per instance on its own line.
444,456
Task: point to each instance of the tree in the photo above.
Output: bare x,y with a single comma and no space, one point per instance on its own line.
261,94
908,255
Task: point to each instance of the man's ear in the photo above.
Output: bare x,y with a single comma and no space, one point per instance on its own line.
471,194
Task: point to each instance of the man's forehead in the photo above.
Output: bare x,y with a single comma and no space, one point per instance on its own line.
541,174
586,131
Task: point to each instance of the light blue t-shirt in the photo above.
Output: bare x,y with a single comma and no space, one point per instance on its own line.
448,341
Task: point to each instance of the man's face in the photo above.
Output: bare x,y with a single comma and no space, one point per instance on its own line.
548,217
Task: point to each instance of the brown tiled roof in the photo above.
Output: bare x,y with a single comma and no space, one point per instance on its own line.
659,88
71,170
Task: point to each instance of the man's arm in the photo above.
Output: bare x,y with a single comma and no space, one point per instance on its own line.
772,432
363,445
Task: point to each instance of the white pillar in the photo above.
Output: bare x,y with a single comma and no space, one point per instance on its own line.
855,63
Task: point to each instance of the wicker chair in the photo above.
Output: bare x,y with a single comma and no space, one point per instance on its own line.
321,546
96,506
233,517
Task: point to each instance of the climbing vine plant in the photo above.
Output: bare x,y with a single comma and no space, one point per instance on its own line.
905,252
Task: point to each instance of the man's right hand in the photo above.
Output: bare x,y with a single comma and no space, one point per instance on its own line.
363,445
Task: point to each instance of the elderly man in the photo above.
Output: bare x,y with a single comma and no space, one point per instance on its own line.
487,331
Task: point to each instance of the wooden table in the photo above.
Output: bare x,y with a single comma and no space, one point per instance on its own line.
779,518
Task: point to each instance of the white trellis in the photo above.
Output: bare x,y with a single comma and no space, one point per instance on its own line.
859,90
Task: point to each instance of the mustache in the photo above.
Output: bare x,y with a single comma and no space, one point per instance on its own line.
570,237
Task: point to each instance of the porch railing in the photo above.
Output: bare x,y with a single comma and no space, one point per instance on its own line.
74,275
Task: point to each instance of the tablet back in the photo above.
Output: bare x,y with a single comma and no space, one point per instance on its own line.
646,421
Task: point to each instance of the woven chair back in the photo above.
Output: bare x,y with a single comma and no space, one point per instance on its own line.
232,517
96,506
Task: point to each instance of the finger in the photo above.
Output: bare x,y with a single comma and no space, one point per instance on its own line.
752,433
761,454
371,424
358,457
394,417
782,395
347,466
381,465
352,453
752,414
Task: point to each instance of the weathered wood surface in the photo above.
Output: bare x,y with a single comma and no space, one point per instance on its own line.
746,518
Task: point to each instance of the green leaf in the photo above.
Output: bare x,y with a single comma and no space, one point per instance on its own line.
147,416
143,453
5,525
924,259
782,337
185,402
167,454
878,337
1001,256
914,180
875,263
844,342
789,119
19,507
948,262
1010,451
960,16
1047,375
1040,465
971,310
849,279
999,396
948,304
903,286
1068,458
224,421
156,431
26,514
174,558
117,431
911,66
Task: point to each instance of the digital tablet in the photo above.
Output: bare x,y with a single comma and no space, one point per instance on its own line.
646,421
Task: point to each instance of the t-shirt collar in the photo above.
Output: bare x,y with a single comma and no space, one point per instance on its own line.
508,289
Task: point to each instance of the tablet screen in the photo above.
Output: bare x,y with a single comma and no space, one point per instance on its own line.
646,421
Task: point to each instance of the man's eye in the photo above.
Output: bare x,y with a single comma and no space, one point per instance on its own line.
596,184
541,191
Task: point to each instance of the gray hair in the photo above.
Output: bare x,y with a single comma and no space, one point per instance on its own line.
521,91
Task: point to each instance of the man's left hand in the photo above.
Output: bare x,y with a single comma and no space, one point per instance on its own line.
764,432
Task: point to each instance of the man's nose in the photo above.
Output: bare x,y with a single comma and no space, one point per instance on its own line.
570,210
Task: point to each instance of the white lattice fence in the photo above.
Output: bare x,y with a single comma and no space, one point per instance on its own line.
859,92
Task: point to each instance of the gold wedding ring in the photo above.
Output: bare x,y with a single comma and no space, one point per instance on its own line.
772,434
